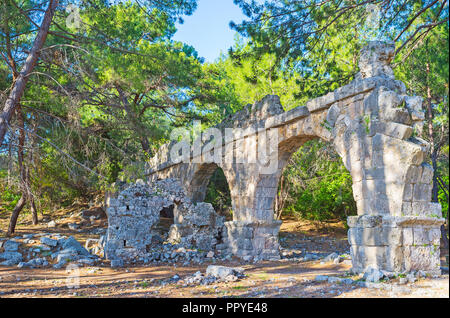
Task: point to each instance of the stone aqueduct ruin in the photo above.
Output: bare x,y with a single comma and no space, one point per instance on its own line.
375,128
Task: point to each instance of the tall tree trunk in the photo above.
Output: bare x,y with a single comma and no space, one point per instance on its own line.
19,85
22,174
33,211
10,164
30,197
15,214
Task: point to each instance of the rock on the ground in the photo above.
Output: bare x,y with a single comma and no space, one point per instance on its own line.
73,226
373,275
222,271
331,258
72,243
321,278
48,241
33,263
11,246
117,263
60,248
90,243
10,258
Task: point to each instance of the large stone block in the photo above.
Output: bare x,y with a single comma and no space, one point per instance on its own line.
365,221
406,209
391,129
408,192
389,258
425,258
377,236
427,173
375,205
332,114
422,192
414,174
408,236
397,152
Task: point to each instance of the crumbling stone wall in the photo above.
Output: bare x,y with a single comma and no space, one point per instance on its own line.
134,211
197,224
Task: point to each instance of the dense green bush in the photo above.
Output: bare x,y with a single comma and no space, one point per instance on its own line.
443,200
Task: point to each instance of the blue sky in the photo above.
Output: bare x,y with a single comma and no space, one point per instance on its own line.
208,30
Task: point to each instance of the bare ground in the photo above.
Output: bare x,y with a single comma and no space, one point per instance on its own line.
286,278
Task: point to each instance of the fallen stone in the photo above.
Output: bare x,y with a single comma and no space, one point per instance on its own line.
60,264
373,275
90,243
11,256
222,271
347,281
67,257
11,246
73,226
40,248
72,243
33,263
331,257
49,241
321,278
116,263
334,280
86,261
411,278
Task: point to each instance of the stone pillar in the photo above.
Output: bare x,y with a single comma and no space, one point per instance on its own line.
253,240
397,228
253,233
395,243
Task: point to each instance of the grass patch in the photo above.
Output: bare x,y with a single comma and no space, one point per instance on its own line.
239,287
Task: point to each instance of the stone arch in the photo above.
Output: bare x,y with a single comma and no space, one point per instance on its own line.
197,184
267,184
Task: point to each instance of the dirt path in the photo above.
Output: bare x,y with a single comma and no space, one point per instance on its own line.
271,279
284,278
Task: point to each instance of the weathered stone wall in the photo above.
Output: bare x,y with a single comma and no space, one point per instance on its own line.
134,211
197,225
395,244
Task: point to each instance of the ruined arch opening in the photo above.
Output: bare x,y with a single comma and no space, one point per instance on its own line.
218,194
166,219
313,200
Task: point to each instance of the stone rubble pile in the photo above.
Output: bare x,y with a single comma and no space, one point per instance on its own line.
376,278
303,256
215,274
197,225
133,216
173,254
43,250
